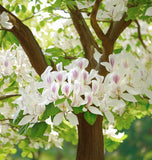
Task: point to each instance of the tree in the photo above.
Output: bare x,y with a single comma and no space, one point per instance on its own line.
108,88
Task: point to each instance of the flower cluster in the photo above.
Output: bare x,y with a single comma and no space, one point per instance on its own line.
114,10
74,86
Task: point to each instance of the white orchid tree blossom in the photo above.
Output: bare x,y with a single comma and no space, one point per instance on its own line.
4,21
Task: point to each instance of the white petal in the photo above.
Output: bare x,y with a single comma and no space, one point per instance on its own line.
45,73
109,116
94,110
128,97
107,65
149,12
72,118
97,56
116,103
119,136
26,119
58,118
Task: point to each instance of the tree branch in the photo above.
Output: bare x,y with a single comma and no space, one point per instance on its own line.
118,28
28,42
94,23
8,96
110,28
86,37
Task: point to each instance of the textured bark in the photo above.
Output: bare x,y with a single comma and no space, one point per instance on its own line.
28,42
86,37
90,145
90,141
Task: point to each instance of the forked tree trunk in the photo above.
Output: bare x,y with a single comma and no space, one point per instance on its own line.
90,143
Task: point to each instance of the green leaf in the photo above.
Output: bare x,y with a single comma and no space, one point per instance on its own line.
33,9
110,145
18,117
78,110
59,101
23,8
1,117
23,129
57,4
50,110
38,7
38,129
90,117
17,9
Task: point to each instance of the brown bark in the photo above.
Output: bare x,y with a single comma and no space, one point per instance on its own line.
90,141
90,145
28,42
86,37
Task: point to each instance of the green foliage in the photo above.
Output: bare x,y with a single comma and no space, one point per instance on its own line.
1,117
50,110
90,117
56,52
78,110
60,101
67,132
23,129
18,117
124,121
38,129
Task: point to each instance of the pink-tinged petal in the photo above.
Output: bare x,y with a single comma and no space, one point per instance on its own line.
77,88
100,79
59,66
116,78
66,89
55,88
125,64
58,118
85,75
72,119
82,63
112,61
49,79
75,74
94,110
88,98
6,63
109,117
61,76
94,86
77,100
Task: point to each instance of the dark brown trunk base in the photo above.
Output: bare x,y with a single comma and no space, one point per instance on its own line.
90,144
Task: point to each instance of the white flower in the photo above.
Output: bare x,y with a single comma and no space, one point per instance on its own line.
111,132
148,11
4,21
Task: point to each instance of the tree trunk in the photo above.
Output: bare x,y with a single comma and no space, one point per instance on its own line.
90,143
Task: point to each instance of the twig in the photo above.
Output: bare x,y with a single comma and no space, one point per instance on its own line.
9,96
139,35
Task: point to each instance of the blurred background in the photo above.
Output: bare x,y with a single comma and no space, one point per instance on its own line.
138,146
